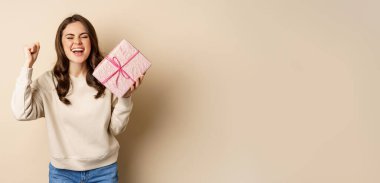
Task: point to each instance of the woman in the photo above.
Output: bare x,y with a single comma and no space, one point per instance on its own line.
82,116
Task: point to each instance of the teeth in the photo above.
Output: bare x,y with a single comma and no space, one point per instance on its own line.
77,49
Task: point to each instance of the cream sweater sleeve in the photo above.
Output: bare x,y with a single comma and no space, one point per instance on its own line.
26,101
121,109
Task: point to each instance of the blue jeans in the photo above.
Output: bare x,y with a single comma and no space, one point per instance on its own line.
105,174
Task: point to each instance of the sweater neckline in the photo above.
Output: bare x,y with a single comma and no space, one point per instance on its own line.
81,77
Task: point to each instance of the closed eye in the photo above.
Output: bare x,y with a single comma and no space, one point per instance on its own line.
69,36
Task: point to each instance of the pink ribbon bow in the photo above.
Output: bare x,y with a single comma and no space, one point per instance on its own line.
115,61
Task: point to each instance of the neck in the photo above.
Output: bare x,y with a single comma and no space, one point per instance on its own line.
77,69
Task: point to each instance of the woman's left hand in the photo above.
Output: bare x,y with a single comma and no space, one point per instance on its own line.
134,87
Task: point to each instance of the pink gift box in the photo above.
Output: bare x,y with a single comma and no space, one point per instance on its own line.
119,70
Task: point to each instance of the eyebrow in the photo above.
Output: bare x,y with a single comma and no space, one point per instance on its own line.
71,34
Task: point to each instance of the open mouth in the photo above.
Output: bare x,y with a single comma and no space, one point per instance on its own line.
78,51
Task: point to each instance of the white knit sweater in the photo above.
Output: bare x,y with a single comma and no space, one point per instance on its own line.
81,135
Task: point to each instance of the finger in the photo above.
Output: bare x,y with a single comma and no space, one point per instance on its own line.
38,46
32,47
29,47
140,78
137,83
35,47
27,51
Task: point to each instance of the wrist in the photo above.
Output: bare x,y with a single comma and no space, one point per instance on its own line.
27,64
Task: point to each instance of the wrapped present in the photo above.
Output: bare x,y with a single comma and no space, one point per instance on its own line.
120,69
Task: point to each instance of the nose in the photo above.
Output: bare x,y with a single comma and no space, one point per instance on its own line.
78,40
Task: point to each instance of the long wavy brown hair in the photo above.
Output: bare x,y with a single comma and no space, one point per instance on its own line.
61,68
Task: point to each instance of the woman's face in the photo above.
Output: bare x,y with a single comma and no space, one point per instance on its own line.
76,42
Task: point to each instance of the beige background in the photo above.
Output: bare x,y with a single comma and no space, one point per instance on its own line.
240,91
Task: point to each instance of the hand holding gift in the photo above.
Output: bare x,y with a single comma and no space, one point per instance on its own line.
134,86
122,70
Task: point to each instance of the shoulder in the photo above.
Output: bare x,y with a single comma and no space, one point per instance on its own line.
46,81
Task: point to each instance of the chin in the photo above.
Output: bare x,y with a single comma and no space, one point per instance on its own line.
78,60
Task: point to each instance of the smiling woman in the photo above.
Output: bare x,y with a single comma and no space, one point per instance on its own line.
78,53
82,116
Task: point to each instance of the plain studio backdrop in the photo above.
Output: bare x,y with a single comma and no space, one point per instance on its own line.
239,91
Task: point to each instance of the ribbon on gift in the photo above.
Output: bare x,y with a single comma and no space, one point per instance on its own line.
115,61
